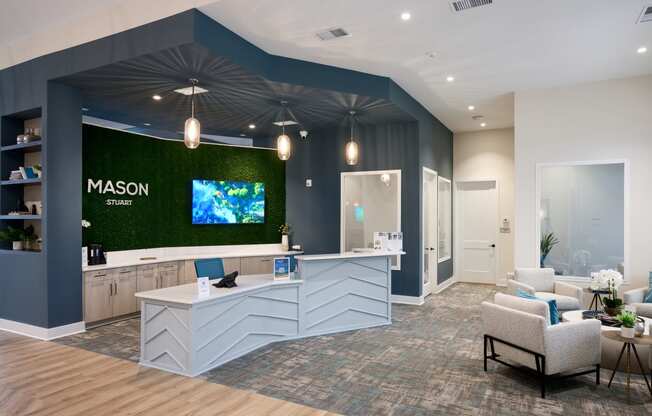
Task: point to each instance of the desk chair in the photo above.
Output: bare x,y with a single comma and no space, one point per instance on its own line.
211,268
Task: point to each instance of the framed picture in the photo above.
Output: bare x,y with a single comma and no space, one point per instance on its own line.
281,268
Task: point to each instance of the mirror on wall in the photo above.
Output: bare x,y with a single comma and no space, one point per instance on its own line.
582,218
371,202
445,218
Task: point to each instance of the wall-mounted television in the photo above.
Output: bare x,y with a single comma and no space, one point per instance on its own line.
227,202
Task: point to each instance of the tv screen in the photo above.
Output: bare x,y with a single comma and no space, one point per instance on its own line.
227,202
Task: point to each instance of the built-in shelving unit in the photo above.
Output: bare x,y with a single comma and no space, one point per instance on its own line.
20,217
25,147
21,182
17,192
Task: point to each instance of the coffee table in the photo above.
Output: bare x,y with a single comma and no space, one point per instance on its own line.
611,348
629,346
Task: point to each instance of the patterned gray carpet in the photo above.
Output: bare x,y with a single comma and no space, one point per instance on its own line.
429,362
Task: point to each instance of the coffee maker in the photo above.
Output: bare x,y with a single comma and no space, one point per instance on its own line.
96,254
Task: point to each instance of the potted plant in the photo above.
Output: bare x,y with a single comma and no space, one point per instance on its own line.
285,236
611,280
30,238
38,169
627,321
15,235
548,241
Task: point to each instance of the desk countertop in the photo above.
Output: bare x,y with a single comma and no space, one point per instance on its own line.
349,255
187,294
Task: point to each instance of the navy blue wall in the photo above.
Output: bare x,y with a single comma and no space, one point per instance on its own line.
436,153
45,290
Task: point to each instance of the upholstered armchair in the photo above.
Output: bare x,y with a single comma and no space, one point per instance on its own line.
542,284
518,333
635,298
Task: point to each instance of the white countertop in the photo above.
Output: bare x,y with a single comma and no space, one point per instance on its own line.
187,294
117,259
349,255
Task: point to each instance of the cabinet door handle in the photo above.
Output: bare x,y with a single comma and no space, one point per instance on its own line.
110,290
116,288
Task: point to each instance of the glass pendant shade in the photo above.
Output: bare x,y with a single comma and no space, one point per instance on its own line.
192,133
352,153
284,147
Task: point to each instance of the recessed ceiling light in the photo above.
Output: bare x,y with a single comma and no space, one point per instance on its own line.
471,107
406,16
252,126
642,49
157,97
146,124
483,124
450,78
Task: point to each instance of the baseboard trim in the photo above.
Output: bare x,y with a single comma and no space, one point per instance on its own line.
445,285
45,334
408,300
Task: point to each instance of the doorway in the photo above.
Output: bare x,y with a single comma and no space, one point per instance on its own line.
477,230
429,230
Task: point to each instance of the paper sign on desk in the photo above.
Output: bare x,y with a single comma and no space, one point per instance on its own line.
203,287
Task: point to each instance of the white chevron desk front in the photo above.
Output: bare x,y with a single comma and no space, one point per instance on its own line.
186,334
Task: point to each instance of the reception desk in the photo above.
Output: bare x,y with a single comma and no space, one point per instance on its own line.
184,333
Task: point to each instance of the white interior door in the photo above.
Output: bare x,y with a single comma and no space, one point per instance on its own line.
429,230
477,219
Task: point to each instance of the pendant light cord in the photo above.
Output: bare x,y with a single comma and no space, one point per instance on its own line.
283,117
192,101
352,113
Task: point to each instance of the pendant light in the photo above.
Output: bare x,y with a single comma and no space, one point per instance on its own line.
352,150
192,129
283,143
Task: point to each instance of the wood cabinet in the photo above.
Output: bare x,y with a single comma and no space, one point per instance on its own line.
232,264
147,277
98,291
169,274
257,265
109,293
124,288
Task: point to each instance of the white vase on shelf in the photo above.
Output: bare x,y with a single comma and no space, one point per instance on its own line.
285,242
17,245
626,332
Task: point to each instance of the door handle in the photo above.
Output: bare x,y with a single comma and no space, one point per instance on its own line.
493,246
116,288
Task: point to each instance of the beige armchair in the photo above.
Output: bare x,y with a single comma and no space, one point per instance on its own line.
542,284
635,298
518,333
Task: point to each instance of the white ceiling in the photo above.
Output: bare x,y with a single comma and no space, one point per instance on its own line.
492,51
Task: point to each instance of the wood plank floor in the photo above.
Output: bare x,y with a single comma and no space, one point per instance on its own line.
44,378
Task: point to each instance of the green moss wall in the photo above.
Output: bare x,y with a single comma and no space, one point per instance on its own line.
163,219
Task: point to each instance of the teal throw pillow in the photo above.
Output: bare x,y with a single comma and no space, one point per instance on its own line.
552,304
648,297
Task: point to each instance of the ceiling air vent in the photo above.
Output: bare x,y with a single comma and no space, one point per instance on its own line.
462,5
334,33
646,15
